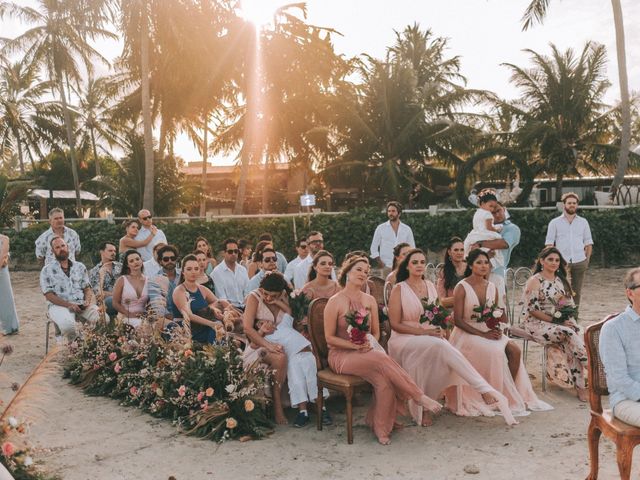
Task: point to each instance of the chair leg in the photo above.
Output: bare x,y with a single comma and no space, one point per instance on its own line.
525,348
594,441
46,340
349,397
624,455
319,404
544,368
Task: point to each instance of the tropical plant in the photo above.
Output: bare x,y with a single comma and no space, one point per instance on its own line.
11,195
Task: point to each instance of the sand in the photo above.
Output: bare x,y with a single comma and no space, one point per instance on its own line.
80,437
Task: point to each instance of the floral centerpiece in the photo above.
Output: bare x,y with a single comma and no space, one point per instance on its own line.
358,325
299,304
436,315
563,309
490,315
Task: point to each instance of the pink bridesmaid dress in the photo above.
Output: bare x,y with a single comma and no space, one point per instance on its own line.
489,359
437,367
392,386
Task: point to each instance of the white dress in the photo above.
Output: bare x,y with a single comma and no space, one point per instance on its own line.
480,233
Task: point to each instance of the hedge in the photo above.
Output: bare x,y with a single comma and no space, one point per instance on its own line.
616,233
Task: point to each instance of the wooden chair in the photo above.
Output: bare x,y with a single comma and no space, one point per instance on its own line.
377,289
625,436
345,384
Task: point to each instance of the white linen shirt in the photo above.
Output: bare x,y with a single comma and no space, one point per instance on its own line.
146,252
43,244
291,268
229,284
384,239
569,238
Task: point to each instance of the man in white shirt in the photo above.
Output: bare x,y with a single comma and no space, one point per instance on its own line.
268,263
44,253
146,220
303,252
570,233
315,241
388,235
230,278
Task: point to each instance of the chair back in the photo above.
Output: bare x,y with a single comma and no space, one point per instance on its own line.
316,331
388,286
515,280
596,376
376,287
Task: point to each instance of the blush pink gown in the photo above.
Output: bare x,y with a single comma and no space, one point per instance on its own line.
489,359
392,386
437,367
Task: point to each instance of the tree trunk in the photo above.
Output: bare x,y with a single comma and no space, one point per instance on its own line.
96,160
148,197
71,143
559,179
625,105
265,184
20,154
205,157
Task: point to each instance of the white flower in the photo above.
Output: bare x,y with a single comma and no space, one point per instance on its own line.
497,313
557,315
230,388
349,328
28,461
385,310
13,422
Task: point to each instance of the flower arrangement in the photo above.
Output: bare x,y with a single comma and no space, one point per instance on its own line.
563,309
358,325
299,304
436,315
203,389
490,315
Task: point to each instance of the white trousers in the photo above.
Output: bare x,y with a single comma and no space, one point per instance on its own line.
66,320
628,411
302,376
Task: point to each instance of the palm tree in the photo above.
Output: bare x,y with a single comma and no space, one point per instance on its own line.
536,12
57,42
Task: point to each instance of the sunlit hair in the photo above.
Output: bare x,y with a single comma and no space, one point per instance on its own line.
274,282
347,265
396,253
187,258
472,257
198,252
128,223
125,261
568,195
312,269
208,253
449,269
260,254
562,269
55,210
355,253
260,246
403,269
396,205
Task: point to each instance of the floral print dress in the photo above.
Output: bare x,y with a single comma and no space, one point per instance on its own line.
566,352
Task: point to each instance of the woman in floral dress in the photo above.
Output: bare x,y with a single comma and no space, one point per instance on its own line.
548,301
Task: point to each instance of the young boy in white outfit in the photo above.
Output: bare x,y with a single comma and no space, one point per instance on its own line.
484,228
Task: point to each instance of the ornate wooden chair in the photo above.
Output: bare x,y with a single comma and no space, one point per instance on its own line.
625,436
345,384
377,289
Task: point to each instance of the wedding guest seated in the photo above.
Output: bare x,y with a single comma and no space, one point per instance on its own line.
270,303
128,242
230,278
65,285
204,279
196,302
352,355
282,261
203,245
103,277
245,252
131,291
431,361
302,251
399,252
320,284
57,228
452,272
619,340
484,346
151,266
550,317
254,264
267,260
162,284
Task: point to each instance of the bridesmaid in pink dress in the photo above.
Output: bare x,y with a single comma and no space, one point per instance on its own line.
319,283
485,348
131,291
392,386
428,358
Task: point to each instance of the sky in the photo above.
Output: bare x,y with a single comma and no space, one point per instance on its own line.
484,33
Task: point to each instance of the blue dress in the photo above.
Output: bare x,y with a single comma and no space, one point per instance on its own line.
200,307
8,315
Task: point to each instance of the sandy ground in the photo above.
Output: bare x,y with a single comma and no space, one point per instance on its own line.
80,437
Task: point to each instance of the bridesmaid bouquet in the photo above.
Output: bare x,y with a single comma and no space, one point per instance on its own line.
490,315
436,315
358,325
299,304
563,310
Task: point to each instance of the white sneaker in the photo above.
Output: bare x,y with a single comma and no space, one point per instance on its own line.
59,339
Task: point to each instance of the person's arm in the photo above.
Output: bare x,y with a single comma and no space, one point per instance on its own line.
532,303
117,297
128,242
212,301
550,240
395,315
588,242
445,301
497,244
248,319
374,324
375,246
183,304
614,359
488,224
331,327
56,300
4,251
459,295
88,296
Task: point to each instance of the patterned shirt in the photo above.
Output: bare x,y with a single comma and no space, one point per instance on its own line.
43,244
69,288
110,277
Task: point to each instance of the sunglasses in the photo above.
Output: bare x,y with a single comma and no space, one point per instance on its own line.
147,218
633,287
302,246
168,259
316,242
231,251
268,259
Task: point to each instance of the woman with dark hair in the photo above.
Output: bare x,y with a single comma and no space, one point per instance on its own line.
131,290
452,272
483,346
203,245
320,284
285,350
399,252
545,294
129,242
196,303
245,247
392,386
254,265
204,279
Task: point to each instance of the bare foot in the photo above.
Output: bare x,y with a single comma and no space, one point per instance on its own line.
429,404
384,441
489,398
427,419
583,394
281,419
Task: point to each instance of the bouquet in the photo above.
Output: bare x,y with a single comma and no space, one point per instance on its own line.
563,310
299,304
490,315
436,315
358,325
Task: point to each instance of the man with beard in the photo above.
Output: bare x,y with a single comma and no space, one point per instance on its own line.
65,285
162,283
570,233
268,263
57,229
387,236
104,275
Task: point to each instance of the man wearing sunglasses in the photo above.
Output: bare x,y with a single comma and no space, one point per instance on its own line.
162,284
315,242
268,263
230,278
303,251
146,220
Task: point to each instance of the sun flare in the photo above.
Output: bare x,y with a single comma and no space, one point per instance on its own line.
259,12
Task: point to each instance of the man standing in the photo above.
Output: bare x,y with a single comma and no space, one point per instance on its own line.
303,252
619,340
146,220
110,269
315,242
65,285
570,233
388,235
230,278
268,263
57,229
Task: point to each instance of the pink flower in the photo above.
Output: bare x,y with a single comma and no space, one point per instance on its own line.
117,368
96,366
205,405
113,356
8,449
200,396
362,312
209,392
429,315
182,390
485,311
133,391
562,302
359,320
436,310
188,352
